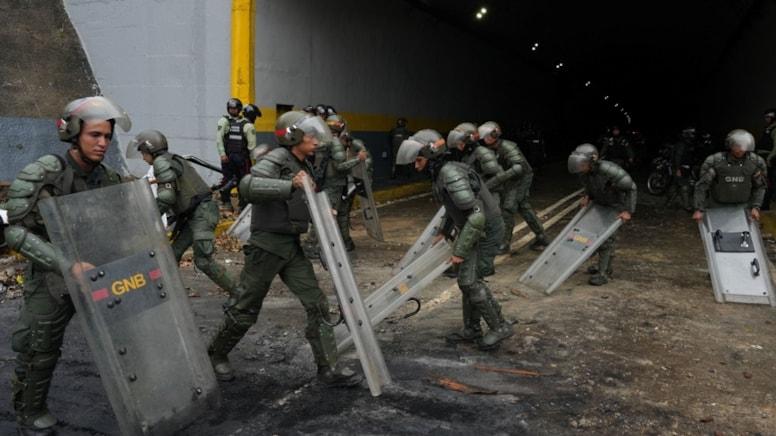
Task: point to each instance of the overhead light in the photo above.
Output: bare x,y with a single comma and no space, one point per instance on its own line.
616,104
587,83
606,97
479,15
483,11
559,65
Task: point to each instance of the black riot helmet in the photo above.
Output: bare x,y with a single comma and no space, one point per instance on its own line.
330,111
234,103
251,112
320,110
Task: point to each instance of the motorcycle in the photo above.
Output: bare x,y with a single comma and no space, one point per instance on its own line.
661,176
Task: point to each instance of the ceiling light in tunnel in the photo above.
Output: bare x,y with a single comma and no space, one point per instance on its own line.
587,83
483,10
479,15
535,46
616,104
559,65
606,97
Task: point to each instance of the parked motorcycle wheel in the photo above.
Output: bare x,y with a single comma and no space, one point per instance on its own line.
657,183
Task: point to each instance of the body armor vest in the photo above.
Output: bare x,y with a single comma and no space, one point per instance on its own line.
485,199
289,216
189,185
234,137
733,183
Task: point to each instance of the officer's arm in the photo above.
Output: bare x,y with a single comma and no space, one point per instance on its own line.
514,172
463,198
223,124
339,156
360,146
249,130
624,183
40,252
264,182
759,184
704,182
166,172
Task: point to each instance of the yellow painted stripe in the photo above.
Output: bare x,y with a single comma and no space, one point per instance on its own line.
243,19
361,122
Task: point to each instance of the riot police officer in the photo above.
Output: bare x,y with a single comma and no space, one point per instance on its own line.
463,146
234,140
607,184
331,168
514,179
87,124
472,211
736,177
682,160
616,148
768,143
182,191
353,148
280,215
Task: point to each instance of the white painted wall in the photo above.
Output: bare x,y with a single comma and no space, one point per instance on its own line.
166,62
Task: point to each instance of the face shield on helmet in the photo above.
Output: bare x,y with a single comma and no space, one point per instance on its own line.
489,129
581,159
739,140
469,133
97,108
408,152
336,123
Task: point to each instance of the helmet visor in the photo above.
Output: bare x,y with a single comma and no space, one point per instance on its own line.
99,108
132,149
408,151
578,162
316,127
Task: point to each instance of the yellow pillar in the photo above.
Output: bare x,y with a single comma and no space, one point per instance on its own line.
243,16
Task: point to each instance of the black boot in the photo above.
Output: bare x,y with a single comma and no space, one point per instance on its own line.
338,378
472,329
540,243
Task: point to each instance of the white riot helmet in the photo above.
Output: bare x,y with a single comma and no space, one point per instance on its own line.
739,138
582,156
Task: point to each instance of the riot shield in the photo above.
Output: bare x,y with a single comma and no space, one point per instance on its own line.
402,287
579,240
736,257
423,243
133,308
241,227
351,305
367,202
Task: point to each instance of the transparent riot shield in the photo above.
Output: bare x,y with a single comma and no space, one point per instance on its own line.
423,243
241,227
367,202
401,288
736,257
589,228
352,306
133,308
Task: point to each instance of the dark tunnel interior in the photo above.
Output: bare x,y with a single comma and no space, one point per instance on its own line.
649,65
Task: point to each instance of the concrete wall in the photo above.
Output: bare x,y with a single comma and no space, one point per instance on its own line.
744,85
167,62
23,140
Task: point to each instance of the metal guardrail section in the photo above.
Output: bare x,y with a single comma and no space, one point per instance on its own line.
736,257
579,240
401,288
353,309
423,243
368,207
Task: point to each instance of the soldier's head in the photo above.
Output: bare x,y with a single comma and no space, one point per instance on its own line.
301,132
770,116
148,144
251,112
401,122
490,132
88,123
739,142
336,123
234,106
583,157
320,110
689,133
422,147
462,136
